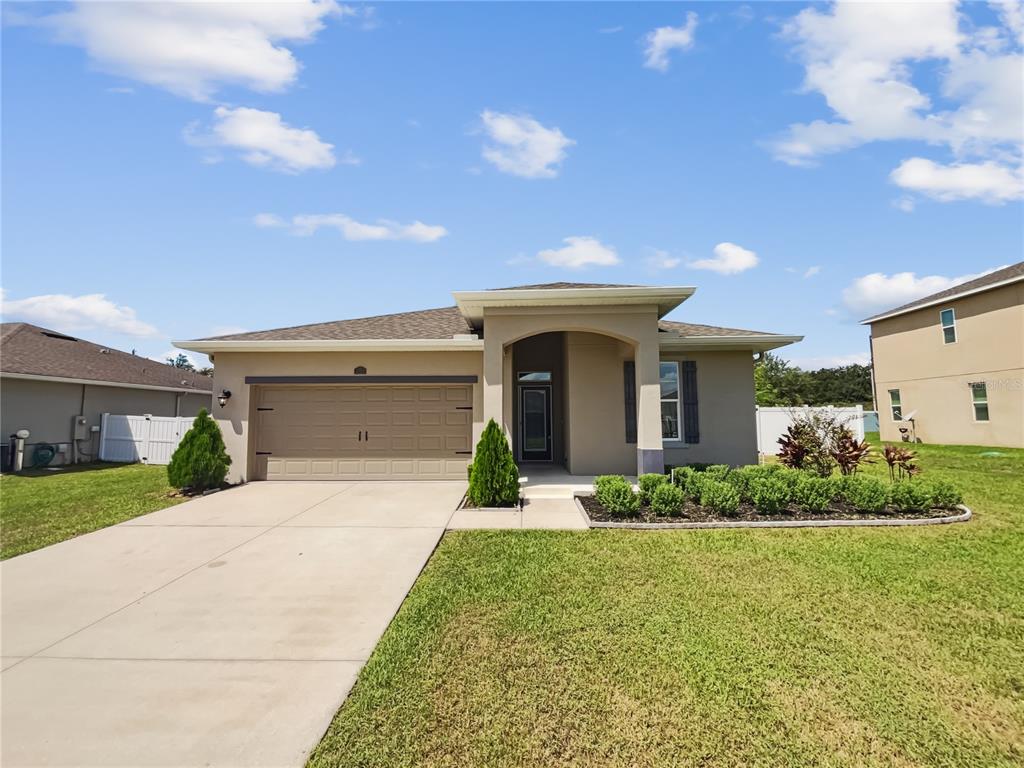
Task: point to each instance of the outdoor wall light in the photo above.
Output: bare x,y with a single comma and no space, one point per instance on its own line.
223,397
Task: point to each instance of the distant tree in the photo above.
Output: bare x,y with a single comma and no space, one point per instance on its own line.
181,361
779,384
207,371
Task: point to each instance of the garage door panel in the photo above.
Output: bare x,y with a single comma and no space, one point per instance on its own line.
352,432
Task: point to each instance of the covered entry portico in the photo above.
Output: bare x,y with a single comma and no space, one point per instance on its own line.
592,419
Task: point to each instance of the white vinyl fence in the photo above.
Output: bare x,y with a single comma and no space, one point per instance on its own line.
148,439
773,422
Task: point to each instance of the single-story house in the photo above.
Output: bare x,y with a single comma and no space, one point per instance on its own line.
584,376
948,368
58,387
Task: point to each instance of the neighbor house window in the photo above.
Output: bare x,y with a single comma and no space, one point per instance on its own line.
669,374
979,398
948,318
894,403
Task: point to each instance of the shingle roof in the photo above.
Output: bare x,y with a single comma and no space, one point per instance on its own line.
425,324
30,350
441,323
695,329
1014,271
560,286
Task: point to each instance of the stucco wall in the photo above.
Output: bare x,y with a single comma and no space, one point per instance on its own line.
933,377
725,410
47,408
597,408
545,352
231,368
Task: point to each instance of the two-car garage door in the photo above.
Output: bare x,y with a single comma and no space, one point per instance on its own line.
363,432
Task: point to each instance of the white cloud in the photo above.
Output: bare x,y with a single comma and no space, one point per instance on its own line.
307,224
264,139
831,361
609,30
811,271
522,146
866,60
75,314
580,252
659,42
193,48
988,182
729,259
874,293
662,260
905,203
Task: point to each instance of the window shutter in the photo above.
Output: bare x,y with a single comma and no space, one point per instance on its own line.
629,387
690,418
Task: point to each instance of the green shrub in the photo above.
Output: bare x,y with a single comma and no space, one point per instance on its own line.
649,484
680,476
770,493
909,496
603,483
200,461
944,494
814,493
667,500
719,496
619,499
867,494
494,479
718,471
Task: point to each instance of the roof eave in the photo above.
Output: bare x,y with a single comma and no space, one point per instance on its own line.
943,300
102,383
472,303
761,342
331,345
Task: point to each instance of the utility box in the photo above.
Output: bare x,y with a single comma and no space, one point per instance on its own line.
81,428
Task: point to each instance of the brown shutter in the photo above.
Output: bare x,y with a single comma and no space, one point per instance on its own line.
629,387
690,418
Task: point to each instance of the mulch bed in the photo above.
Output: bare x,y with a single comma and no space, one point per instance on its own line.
748,513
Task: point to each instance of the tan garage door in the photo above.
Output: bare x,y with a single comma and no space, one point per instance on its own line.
363,432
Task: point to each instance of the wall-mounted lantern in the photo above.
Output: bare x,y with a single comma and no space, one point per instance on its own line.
223,397
360,370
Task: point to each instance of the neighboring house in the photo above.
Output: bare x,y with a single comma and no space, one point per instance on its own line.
584,376
949,368
48,380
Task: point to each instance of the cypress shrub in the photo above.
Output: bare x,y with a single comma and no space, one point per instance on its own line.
494,477
200,461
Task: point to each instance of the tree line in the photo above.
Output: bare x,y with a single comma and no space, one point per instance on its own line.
777,383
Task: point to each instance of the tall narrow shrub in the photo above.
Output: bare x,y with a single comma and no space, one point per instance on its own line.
494,478
200,461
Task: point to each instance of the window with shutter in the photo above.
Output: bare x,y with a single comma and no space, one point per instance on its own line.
691,424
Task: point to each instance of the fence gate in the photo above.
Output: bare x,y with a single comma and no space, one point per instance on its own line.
147,439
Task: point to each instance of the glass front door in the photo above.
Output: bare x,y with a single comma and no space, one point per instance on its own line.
535,423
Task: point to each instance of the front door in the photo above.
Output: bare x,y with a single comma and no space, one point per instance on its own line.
535,423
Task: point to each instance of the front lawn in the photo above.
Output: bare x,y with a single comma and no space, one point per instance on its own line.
42,507
833,647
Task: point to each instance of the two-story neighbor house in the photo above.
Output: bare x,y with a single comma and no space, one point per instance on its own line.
588,377
949,368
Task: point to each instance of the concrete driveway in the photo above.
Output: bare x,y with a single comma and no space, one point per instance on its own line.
225,631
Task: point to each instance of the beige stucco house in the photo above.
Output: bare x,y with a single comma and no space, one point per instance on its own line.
949,368
58,387
587,377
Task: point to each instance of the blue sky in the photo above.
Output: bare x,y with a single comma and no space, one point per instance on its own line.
176,171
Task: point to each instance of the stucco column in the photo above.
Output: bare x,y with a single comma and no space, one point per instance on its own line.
494,363
649,454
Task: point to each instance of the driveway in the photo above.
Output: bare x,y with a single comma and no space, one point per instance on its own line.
221,632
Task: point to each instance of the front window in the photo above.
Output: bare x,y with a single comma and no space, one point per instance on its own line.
895,405
669,374
948,319
979,399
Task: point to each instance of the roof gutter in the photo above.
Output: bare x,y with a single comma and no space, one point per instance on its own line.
333,345
97,383
943,300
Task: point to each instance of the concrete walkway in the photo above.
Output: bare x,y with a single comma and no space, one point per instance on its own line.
225,631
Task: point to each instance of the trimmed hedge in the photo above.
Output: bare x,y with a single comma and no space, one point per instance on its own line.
648,484
667,500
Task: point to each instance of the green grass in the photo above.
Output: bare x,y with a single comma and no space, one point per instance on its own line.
41,507
841,647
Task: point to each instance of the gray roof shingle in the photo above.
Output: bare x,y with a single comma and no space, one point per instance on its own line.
991,279
440,323
696,329
30,350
